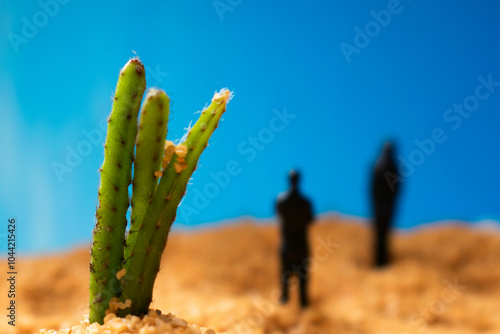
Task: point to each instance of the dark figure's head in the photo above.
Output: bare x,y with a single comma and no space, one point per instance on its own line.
294,177
386,161
388,147
388,150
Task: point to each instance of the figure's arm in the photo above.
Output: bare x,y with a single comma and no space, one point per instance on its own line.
373,183
397,183
311,212
278,209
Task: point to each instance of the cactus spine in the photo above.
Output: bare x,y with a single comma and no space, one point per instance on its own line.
148,157
127,271
144,262
116,172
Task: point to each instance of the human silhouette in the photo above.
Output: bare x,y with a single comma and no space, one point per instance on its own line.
385,188
295,215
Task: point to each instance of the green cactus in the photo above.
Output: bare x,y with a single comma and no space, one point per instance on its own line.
127,271
144,262
116,173
148,157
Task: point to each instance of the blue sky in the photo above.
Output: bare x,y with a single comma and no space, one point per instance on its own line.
318,86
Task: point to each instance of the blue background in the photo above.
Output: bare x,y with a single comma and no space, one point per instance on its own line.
56,84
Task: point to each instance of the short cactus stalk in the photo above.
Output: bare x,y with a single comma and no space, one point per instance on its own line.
124,265
148,158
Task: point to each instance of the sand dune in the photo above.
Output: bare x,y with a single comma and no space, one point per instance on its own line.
443,280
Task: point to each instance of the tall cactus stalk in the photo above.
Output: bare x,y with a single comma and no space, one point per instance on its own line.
116,173
122,270
144,262
148,157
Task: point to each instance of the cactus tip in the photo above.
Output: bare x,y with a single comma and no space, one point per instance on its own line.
156,92
139,67
224,95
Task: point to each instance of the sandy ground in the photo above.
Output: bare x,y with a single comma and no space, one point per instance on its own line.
443,279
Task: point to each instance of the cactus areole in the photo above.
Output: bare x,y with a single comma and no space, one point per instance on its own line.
124,264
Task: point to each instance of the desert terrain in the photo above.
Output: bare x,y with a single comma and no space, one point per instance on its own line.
443,279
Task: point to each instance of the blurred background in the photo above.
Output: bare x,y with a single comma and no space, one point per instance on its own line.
318,86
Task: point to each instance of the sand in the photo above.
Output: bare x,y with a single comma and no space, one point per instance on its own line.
152,323
443,279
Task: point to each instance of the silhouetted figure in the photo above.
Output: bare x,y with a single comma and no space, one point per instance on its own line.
384,191
295,214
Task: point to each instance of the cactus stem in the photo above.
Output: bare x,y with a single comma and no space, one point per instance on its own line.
149,148
143,263
108,240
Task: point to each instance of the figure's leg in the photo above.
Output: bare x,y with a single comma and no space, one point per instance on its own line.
382,228
381,252
302,270
304,301
388,230
285,276
285,279
376,239
377,226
